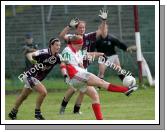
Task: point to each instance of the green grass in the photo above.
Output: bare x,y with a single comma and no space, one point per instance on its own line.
115,106
11,85
57,83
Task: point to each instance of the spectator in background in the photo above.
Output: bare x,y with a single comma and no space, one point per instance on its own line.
29,46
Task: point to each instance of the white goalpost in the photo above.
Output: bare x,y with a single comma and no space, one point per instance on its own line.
142,64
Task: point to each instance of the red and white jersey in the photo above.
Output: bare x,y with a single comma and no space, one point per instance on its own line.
73,59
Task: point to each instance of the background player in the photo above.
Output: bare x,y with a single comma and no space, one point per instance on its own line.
106,43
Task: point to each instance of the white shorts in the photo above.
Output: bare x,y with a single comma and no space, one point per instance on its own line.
113,59
79,81
30,82
110,59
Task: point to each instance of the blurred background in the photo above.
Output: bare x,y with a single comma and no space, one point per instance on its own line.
45,22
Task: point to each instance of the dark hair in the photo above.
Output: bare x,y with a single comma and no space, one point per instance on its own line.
53,40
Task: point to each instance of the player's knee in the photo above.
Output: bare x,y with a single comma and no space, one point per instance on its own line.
43,93
96,96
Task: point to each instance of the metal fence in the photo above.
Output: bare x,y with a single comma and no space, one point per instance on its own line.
47,21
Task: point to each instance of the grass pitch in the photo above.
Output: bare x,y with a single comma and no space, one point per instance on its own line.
115,106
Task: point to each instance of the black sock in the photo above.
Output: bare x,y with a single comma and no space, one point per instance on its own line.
77,108
37,112
14,111
64,103
121,76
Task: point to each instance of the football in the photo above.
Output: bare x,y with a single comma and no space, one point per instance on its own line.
129,81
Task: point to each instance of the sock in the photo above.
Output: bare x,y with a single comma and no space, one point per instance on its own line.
121,77
97,111
14,111
64,103
37,112
77,108
115,88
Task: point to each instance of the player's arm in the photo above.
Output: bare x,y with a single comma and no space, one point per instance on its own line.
73,23
95,54
64,32
123,46
64,72
103,27
30,57
63,69
131,48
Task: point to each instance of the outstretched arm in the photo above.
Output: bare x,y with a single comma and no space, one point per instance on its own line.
30,57
131,48
64,32
73,23
103,27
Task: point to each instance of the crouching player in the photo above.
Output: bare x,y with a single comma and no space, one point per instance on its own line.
47,59
81,79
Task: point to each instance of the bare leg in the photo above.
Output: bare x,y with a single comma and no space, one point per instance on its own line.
102,68
78,103
24,94
69,93
92,93
42,94
96,81
40,88
117,63
79,98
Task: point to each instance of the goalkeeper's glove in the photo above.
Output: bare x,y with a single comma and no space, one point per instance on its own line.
131,48
33,62
103,14
74,22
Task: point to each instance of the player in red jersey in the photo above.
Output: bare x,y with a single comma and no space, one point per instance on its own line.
83,80
89,40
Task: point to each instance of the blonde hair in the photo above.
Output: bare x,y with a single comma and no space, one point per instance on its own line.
75,37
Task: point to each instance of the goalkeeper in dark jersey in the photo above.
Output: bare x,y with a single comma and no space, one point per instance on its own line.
107,44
